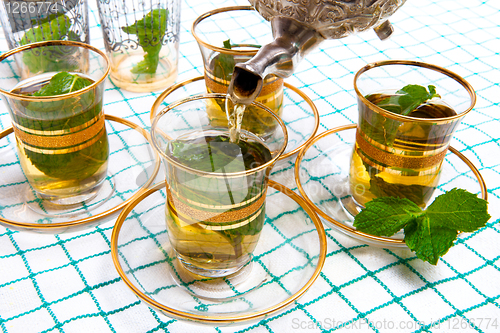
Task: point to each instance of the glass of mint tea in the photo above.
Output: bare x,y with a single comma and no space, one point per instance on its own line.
216,188
227,36
142,42
53,92
408,112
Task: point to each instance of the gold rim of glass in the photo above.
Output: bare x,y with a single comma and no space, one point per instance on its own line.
51,43
216,174
222,319
352,230
399,117
163,95
94,218
216,48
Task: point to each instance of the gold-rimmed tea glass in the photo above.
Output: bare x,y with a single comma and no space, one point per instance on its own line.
61,140
245,31
214,218
18,212
401,155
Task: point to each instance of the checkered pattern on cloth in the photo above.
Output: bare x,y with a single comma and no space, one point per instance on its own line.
67,282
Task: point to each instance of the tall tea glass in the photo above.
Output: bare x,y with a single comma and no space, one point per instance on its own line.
216,189
61,138
227,36
401,155
142,42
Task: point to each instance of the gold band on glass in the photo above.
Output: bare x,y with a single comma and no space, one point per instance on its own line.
397,160
214,216
59,151
72,142
57,132
222,225
222,319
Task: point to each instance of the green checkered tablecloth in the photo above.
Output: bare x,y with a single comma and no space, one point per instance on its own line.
67,282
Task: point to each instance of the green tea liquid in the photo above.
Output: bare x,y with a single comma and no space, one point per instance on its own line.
214,222
62,144
399,159
255,120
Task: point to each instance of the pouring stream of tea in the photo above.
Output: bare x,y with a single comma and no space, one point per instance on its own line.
234,113
242,91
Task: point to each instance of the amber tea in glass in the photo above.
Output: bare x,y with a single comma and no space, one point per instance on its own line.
221,50
217,81
57,118
216,189
401,155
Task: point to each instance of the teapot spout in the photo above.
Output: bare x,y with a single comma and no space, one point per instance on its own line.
292,41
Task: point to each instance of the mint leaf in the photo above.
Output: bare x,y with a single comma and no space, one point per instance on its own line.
63,83
383,129
415,193
224,63
59,84
459,210
408,99
50,59
429,233
386,216
76,166
150,31
429,242
216,154
52,29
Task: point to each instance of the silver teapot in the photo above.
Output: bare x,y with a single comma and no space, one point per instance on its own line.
298,27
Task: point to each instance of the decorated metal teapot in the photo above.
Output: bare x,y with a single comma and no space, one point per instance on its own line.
298,27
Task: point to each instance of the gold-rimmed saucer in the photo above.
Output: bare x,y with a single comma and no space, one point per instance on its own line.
322,171
291,252
131,169
300,114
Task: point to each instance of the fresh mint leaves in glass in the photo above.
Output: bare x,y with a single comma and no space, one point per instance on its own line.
26,21
142,42
227,36
408,112
216,189
57,118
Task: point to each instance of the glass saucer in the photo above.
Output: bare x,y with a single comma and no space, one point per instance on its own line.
322,171
131,168
300,114
289,256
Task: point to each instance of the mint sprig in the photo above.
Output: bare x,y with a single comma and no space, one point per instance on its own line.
50,58
150,31
405,100
63,83
408,99
431,232
224,63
